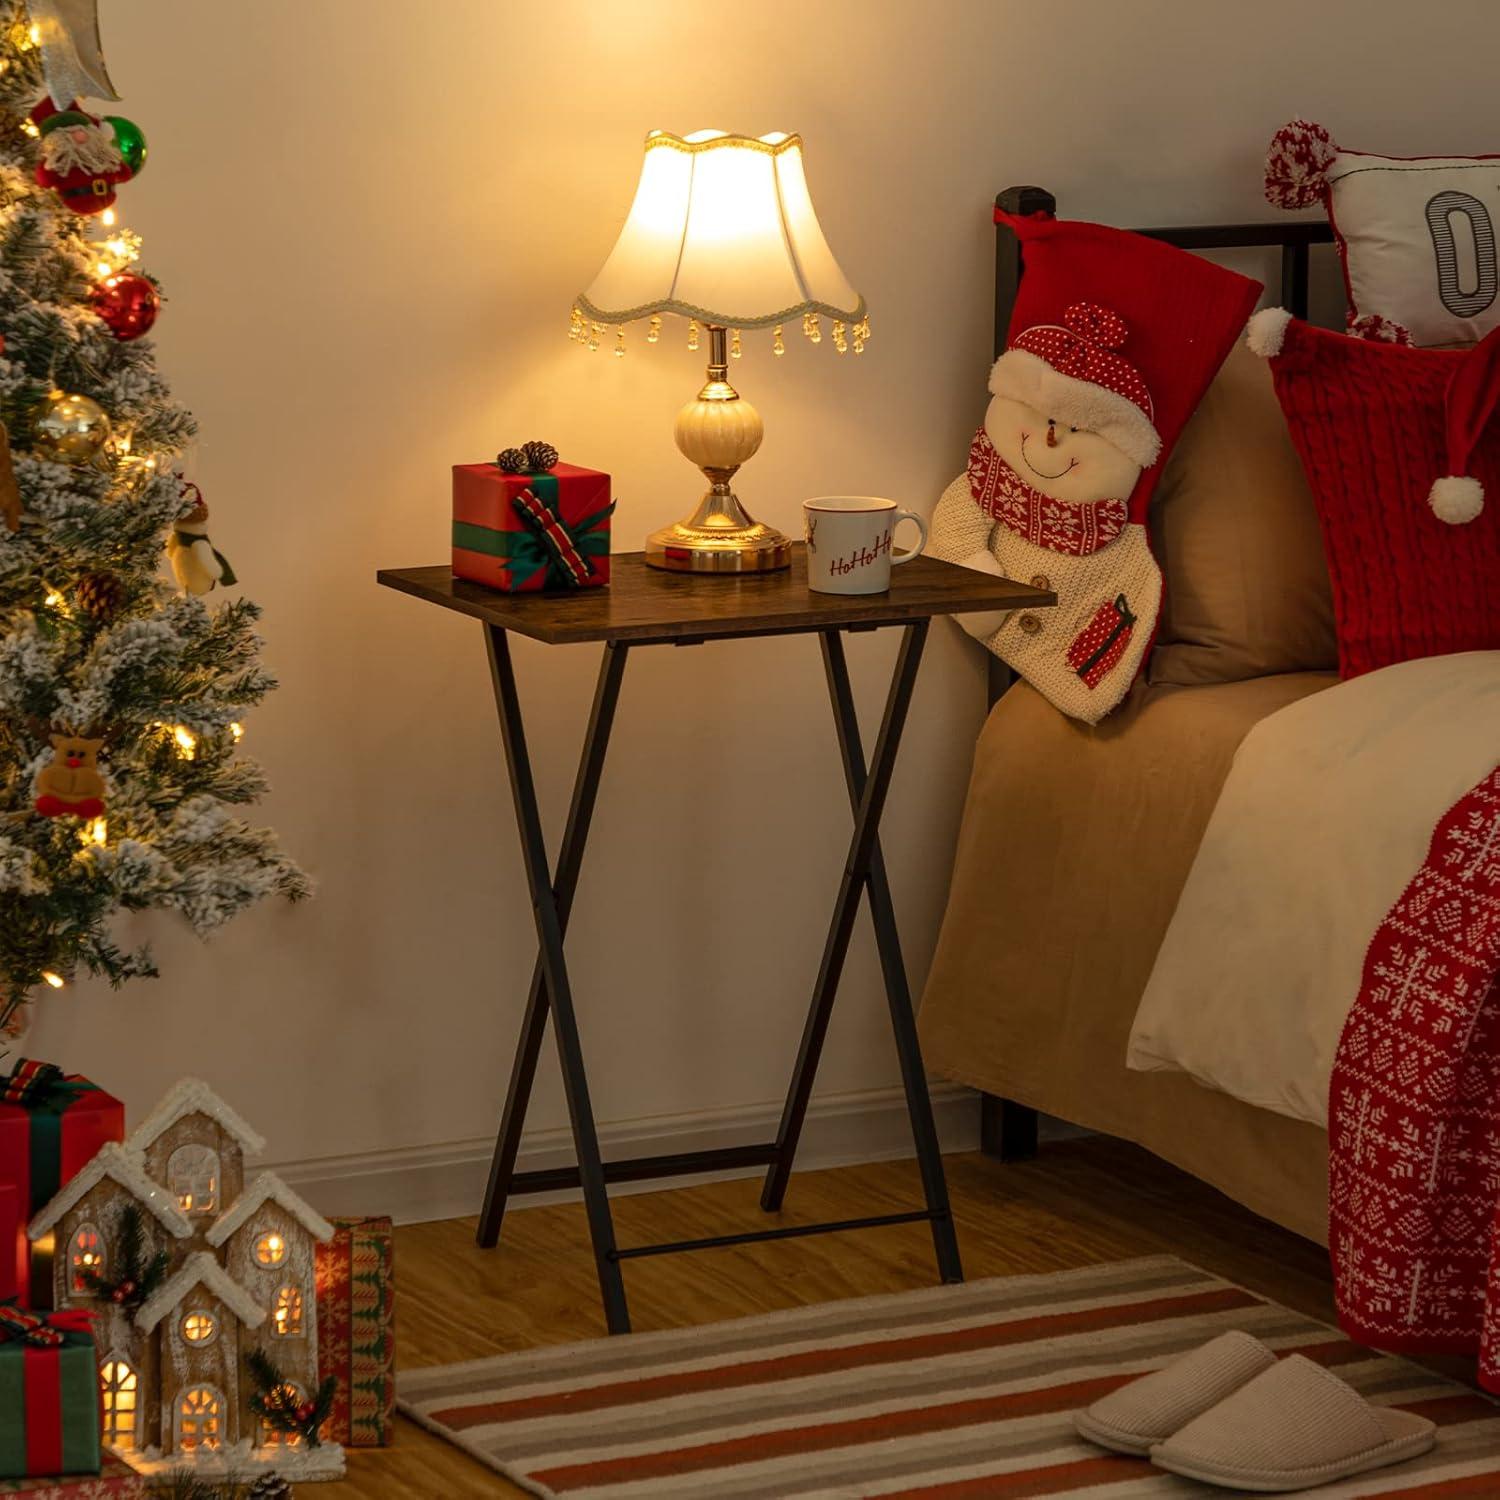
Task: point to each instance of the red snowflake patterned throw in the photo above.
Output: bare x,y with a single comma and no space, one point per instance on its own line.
1414,1109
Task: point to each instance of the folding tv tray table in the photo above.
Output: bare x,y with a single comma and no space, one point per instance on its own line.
645,607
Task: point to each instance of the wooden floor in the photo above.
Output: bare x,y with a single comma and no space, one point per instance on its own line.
1082,1201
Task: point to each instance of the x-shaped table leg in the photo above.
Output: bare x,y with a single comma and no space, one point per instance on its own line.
550,989
864,871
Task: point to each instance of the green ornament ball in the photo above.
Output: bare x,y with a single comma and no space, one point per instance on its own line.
131,141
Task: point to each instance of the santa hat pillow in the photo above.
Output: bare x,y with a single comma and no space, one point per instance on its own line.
1114,338
1402,451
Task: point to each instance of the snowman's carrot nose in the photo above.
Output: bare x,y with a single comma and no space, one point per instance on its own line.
1052,434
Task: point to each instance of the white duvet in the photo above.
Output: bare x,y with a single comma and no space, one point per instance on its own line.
1325,817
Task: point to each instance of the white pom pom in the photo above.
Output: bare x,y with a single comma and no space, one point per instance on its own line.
1267,331
1456,500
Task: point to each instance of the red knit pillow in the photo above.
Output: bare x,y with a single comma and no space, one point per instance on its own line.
1370,425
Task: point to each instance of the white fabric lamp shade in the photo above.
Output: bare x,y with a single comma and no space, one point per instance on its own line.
723,230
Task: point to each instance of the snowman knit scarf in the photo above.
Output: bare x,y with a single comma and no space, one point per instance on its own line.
1414,1108
1057,525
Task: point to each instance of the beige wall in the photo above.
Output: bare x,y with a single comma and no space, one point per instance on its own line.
371,218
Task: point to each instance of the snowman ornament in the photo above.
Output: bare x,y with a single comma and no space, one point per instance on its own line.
1046,501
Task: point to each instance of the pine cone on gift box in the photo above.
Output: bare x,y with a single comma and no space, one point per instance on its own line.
511,461
269,1487
101,595
540,456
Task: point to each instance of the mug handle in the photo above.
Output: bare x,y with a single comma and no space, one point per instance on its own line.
897,558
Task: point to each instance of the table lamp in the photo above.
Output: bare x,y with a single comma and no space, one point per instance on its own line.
722,232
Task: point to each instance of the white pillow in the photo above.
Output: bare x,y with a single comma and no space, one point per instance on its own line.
1417,234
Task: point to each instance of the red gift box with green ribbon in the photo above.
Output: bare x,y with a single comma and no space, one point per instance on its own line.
52,1125
49,1393
528,532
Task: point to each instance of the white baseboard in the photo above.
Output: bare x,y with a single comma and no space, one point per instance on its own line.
420,1183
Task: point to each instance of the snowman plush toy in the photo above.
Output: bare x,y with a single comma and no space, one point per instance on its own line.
1060,474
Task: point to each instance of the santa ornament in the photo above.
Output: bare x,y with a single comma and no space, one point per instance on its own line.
84,157
1113,341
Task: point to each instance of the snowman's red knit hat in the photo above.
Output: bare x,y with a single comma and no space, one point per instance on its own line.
1073,373
1467,409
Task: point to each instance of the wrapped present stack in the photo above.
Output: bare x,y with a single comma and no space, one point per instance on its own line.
49,1394
526,522
356,1330
51,1126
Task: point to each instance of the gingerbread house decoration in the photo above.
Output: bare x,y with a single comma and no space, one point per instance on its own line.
241,1275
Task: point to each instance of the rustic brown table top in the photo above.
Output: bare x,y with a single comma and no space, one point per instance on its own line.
646,604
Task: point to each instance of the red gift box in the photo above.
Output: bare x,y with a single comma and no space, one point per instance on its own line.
357,1331
527,532
13,1268
51,1126
115,1481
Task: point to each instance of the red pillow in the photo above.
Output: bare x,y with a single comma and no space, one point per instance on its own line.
1393,442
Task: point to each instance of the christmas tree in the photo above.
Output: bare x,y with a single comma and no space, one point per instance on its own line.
121,697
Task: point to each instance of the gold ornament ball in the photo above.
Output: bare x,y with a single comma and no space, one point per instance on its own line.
69,429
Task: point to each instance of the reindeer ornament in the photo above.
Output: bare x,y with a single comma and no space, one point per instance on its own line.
72,786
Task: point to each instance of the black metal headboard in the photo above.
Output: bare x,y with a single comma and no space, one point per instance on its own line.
1294,236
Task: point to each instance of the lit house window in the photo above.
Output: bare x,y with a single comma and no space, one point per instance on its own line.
286,1315
200,1419
199,1328
271,1437
85,1257
193,1179
119,1383
270,1249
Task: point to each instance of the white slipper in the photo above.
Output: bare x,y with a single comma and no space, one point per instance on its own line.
1291,1428
1149,1410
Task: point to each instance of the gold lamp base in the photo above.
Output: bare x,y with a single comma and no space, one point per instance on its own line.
718,432
694,547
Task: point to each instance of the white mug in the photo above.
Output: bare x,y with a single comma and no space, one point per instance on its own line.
849,548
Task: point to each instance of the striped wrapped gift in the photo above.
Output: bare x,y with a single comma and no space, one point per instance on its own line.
357,1331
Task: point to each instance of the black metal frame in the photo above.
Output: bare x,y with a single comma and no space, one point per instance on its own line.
1007,1129
550,992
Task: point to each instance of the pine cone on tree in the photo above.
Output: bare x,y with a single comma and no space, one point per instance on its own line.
270,1487
539,456
511,460
101,595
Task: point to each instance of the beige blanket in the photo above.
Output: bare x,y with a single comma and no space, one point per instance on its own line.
1074,845
1325,816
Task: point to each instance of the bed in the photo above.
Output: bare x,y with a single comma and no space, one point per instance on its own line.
1041,964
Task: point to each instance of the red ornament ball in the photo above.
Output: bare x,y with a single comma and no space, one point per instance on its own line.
128,303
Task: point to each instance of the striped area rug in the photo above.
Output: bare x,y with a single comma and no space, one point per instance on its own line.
954,1393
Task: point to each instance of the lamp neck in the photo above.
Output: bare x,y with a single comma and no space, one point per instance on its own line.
718,353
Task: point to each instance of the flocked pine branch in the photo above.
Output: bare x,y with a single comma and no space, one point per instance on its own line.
94,639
